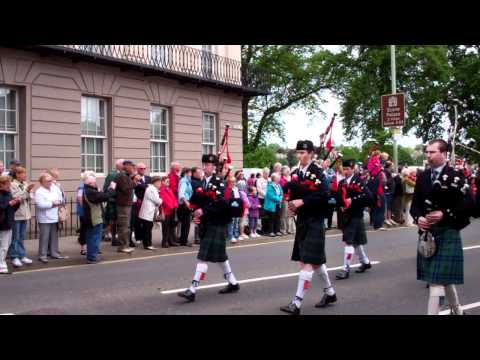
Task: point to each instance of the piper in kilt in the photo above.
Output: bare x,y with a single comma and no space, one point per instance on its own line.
352,197
309,197
213,212
441,206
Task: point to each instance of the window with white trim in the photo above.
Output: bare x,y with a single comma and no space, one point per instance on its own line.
209,134
8,124
94,135
159,139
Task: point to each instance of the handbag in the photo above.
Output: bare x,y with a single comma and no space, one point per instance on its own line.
62,214
426,244
159,216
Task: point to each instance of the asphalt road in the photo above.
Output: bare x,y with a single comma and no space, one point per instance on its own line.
143,286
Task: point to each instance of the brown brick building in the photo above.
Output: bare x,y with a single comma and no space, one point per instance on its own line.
80,107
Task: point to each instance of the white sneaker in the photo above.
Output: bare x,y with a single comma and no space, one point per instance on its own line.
26,260
388,222
4,271
16,262
383,229
393,223
233,240
256,235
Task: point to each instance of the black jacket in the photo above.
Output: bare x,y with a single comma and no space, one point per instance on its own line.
142,186
215,212
448,194
95,197
7,212
358,192
316,198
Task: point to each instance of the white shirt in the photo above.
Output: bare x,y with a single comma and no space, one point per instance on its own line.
438,170
349,180
262,184
304,169
44,198
151,201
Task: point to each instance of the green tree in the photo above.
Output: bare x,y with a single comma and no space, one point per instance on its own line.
430,76
297,74
263,156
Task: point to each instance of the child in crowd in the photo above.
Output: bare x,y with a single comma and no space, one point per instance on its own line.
253,211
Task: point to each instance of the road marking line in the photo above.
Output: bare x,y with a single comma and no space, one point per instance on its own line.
166,292
106,262
8,314
471,247
464,307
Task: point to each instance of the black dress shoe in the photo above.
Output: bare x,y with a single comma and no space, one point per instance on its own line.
363,268
174,244
342,275
187,294
197,242
116,243
230,289
132,245
326,299
291,309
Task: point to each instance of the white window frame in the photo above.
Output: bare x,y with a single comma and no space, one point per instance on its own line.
9,132
157,108
88,136
205,143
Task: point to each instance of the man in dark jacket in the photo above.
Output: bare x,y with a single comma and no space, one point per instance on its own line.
125,184
309,195
136,225
111,209
8,206
93,220
353,196
441,206
213,213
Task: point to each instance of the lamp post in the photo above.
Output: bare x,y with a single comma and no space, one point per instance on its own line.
396,131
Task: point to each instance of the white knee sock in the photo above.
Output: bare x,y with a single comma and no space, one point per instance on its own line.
347,257
304,279
434,299
200,273
362,254
227,272
325,279
452,297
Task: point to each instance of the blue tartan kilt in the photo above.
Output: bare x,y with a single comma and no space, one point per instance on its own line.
309,245
446,266
213,244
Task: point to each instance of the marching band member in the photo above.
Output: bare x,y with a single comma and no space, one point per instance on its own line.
353,196
308,200
213,214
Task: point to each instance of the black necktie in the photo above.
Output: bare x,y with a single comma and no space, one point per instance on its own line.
434,175
204,184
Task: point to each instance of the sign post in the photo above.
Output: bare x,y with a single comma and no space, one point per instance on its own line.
395,130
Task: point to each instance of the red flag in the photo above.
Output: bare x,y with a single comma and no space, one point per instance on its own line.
329,145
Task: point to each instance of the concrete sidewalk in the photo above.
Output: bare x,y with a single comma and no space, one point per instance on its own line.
70,247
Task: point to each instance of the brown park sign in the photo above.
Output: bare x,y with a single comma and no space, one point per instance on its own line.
393,110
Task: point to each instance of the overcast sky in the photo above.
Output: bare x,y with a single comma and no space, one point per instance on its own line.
298,125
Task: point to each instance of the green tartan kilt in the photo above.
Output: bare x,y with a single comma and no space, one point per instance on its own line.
213,244
446,266
309,245
354,231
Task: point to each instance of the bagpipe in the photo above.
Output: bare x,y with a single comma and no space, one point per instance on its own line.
326,145
224,166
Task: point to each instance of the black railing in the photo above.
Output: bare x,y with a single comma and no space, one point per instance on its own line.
178,60
68,228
